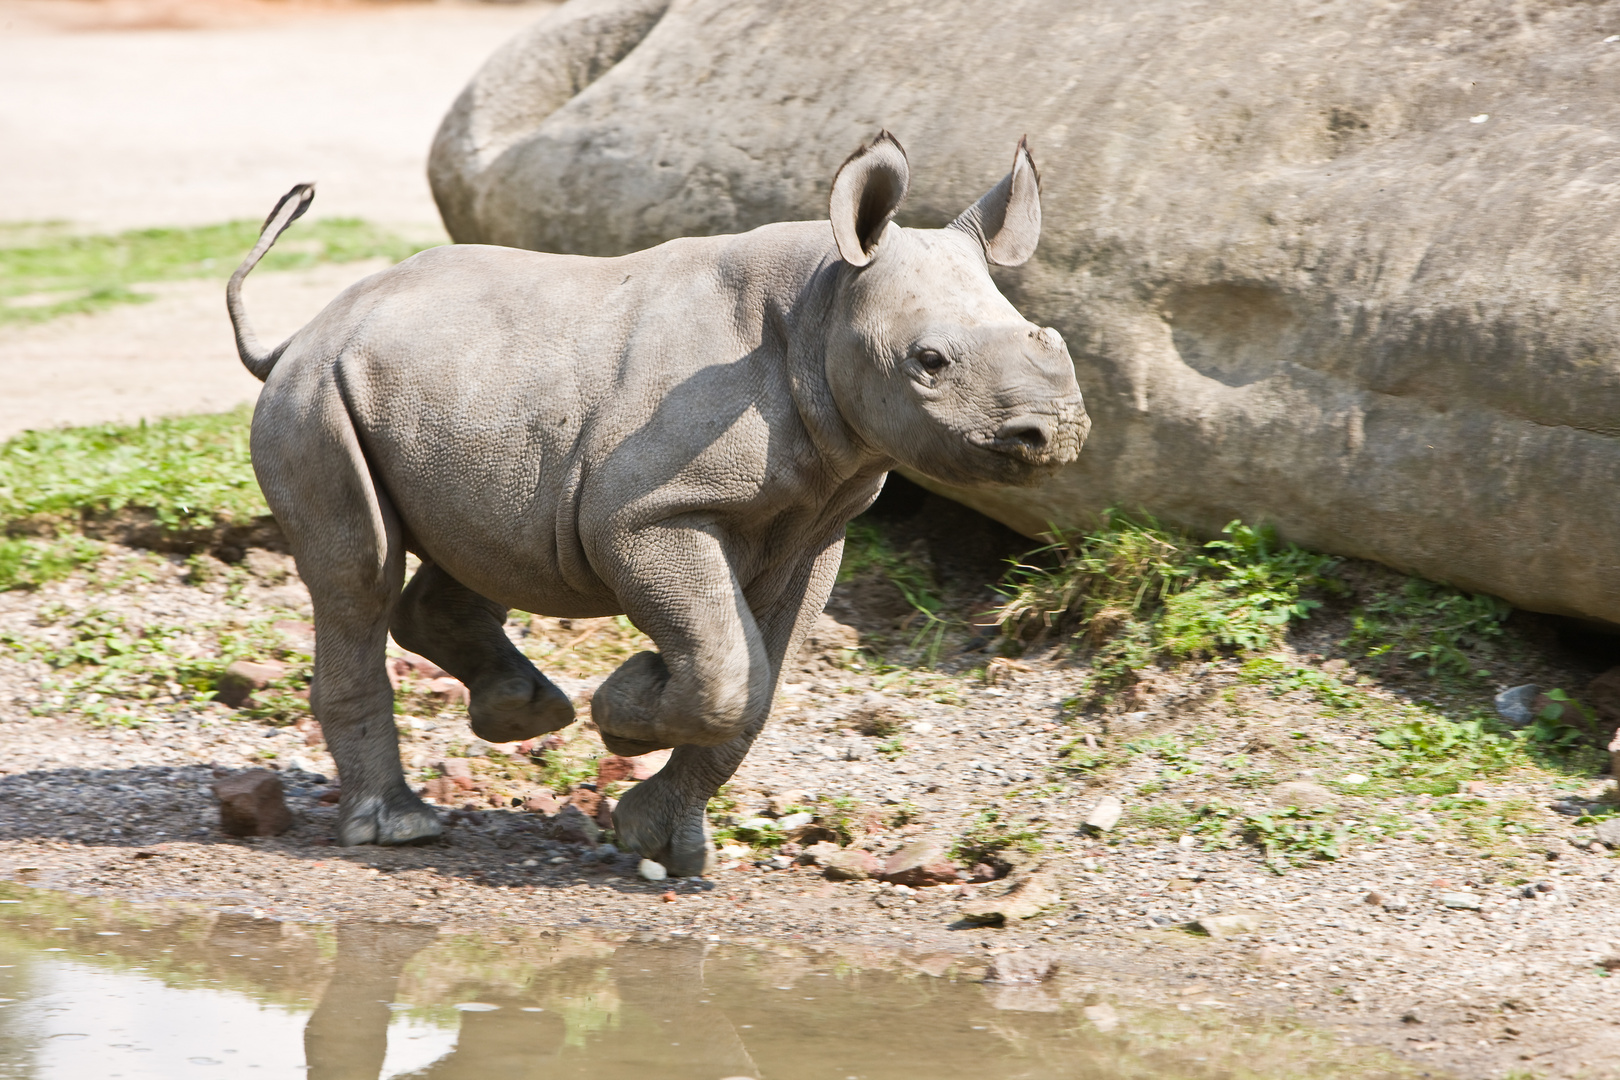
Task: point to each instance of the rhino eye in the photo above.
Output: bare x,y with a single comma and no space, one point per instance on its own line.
932,361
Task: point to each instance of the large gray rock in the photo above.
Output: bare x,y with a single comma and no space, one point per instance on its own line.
1347,268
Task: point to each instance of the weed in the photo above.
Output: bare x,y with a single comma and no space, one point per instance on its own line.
1434,755
104,665
1251,587
892,748
574,762
1078,757
1169,819
1169,750
27,563
1292,836
1448,631
844,816
1135,592
1488,824
904,813
1242,772
1561,736
61,275
988,836
189,472
1282,678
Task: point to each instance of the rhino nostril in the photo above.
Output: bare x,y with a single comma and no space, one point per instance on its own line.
1028,432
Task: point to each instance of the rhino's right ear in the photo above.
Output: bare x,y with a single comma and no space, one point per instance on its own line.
865,194
1007,220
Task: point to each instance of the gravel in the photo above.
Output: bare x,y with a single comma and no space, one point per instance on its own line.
1500,953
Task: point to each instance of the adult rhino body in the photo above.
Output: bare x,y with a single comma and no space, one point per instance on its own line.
678,435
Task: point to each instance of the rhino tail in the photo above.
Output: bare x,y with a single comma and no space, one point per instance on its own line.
255,357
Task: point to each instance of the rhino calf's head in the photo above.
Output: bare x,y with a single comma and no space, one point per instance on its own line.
930,364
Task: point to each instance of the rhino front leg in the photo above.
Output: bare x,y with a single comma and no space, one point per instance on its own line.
665,818
463,632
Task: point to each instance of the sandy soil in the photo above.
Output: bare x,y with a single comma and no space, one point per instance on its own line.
1374,945
119,128
172,355
131,113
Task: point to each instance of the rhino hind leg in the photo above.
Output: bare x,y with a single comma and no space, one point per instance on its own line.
462,631
347,540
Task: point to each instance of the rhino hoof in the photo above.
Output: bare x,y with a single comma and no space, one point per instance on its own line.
661,830
400,819
517,708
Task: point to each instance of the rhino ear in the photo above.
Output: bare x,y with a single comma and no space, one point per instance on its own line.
865,194
1007,220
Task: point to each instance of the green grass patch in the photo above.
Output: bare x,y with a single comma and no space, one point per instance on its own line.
46,273
27,563
189,472
1136,592
1443,630
989,835
103,664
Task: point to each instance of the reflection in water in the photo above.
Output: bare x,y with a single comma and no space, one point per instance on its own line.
87,990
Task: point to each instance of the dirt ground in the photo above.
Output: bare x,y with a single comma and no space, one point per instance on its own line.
172,355
1474,959
120,114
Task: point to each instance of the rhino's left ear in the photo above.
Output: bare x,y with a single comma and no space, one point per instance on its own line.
865,194
1007,220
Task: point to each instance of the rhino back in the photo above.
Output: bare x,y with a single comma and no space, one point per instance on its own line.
523,409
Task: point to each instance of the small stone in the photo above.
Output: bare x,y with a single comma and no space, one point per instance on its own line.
982,873
1375,898
252,803
921,862
781,804
815,853
1233,922
588,799
542,804
1517,705
668,897
1106,814
297,634
569,826
652,871
1603,695
613,768
1304,794
1608,832
1460,901
779,862
794,821
1103,1017
1354,779
850,864
1024,968
451,690
242,677
1024,897
454,768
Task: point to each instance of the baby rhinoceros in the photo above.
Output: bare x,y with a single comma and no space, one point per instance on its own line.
678,435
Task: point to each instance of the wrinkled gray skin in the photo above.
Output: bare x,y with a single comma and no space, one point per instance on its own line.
678,435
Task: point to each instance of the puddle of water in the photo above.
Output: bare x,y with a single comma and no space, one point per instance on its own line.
129,993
